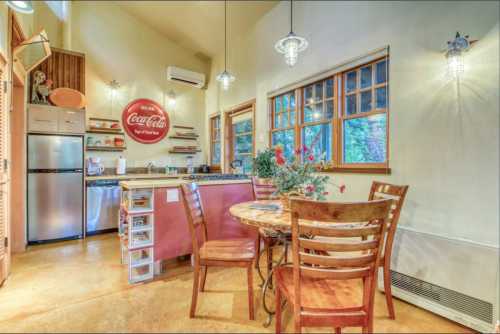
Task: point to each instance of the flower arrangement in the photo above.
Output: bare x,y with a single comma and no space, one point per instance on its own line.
300,179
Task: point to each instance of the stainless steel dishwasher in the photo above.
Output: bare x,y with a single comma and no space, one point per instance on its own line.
103,206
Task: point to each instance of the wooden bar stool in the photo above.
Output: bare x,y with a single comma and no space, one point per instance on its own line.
217,253
381,190
333,290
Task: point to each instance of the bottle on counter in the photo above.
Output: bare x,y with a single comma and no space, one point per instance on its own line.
121,166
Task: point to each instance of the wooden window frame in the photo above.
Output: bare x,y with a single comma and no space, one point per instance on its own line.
336,164
214,140
242,108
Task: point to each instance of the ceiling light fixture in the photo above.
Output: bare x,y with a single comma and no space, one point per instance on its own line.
454,54
225,78
25,7
292,44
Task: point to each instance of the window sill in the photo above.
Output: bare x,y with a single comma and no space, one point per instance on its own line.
358,170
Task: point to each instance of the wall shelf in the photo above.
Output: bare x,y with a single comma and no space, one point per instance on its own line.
184,137
106,131
184,152
105,148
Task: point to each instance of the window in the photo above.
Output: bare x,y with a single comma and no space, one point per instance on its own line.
215,147
284,121
364,116
239,144
343,118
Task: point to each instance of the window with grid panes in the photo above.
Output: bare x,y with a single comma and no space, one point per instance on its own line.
344,118
316,129
215,149
364,116
283,123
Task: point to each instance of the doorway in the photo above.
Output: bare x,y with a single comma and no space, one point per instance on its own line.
240,137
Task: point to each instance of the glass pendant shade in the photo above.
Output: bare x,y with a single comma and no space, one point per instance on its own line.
290,46
225,78
25,7
455,63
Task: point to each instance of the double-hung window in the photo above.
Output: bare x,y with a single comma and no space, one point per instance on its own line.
215,146
342,119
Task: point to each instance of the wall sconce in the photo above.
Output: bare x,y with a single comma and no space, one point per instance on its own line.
455,54
114,85
171,99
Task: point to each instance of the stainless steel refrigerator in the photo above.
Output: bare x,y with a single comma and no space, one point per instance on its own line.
55,187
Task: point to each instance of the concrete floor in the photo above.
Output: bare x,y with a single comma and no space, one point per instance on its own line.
80,286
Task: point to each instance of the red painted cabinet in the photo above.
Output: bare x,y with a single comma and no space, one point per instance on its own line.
172,237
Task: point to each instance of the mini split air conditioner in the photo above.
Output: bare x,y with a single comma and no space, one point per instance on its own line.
186,77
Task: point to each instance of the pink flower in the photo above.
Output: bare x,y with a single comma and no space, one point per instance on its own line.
325,193
304,148
298,151
342,188
280,160
310,157
310,188
278,150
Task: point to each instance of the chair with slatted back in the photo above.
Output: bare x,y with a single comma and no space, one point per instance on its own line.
332,280
216,253
381,190
264,190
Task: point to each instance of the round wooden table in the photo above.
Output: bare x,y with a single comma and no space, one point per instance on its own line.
277,220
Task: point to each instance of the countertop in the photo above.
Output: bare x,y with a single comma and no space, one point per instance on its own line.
137,176
173,183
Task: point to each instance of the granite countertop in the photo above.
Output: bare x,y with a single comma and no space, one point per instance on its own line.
133,176
173,183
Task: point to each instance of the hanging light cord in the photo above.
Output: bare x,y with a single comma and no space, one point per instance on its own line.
291,16
225,35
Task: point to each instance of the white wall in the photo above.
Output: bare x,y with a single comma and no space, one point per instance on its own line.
118,46
444,139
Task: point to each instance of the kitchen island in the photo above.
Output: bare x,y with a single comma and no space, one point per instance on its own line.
154,226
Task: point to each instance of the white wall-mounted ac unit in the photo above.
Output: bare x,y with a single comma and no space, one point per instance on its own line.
456,279
187,77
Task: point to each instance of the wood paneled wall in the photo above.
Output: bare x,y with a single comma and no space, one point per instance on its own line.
65,69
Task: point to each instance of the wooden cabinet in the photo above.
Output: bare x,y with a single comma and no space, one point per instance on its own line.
71,121
42,119
49,119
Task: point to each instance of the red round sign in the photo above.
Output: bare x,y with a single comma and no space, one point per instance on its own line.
145,121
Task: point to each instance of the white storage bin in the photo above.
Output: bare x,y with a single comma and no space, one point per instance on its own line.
140,200
140,239
138,257
140,222
141,273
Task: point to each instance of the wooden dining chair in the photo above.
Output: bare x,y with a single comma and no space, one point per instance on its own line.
264,190
216,253
332,290
381,190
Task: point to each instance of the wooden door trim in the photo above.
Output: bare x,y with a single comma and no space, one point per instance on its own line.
247,106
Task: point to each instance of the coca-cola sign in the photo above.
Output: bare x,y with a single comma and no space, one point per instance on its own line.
145,121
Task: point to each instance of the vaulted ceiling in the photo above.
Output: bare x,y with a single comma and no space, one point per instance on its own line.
198,25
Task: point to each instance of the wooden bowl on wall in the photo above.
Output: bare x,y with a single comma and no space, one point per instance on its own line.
67,98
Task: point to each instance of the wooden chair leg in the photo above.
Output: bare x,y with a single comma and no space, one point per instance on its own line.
250,292
203,278
338,330
278,310
388,292
194,297
257,249
269,262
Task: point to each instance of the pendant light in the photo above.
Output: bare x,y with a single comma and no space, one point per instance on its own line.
292,44
225,78
25,7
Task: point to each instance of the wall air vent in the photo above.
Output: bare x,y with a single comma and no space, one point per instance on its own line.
473,307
